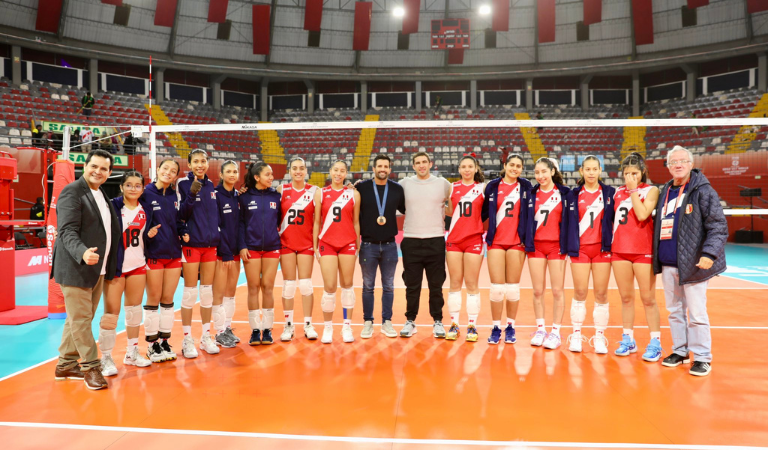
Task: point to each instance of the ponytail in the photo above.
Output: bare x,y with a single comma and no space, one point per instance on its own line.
254,169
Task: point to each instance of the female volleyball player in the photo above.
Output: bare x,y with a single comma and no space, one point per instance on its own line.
199,212
336,238
590,230
505,238
259,245
163,254
464,245
546,241
297,203
631,254
228,257
130,277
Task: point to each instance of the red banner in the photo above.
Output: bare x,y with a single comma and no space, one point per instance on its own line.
500,15
696,3
456,56
113,2
261,29
48,15
313,15
754,6
411,18
362,26
593,11
546,12
642,11
217,11
165,12
63,174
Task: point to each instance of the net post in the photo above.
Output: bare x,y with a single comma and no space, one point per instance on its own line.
65,144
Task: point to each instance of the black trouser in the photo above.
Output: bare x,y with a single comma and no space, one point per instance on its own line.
420,255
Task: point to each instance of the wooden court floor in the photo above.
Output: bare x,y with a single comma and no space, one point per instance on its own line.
414,393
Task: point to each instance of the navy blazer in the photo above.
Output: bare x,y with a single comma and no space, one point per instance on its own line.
573,219
530,230
491,205
117,204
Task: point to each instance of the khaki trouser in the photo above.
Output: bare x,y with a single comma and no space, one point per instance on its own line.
77,341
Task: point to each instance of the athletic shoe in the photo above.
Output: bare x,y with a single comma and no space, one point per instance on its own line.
438,331
327,334
225,340
168,353
309,332
626,346
538,338
453,333
208,345
552,341
287,334
255,338
346,334
232,335
700,368
509,334
134,358
471,333
73,373
409,329
652,351
575,339
367,332
155,352
600,343
388,330
675,360
495,336
188,347
266,337
108,367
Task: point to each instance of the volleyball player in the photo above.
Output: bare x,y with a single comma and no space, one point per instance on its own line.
199,211
632,254
464,245
336,240
297,203
505,238
227,256
259,245
163,254
130,277
590,230
546,241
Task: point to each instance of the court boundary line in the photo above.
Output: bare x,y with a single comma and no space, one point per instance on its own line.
371,440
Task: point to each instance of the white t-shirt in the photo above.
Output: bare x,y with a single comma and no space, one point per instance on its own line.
106,219
134,222
425,206
86,135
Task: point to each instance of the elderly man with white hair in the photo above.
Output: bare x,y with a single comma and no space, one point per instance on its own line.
688,249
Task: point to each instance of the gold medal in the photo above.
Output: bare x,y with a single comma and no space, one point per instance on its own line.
381,220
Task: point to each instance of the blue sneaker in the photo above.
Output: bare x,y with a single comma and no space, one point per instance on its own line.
509,335
495,336
653,351
626,346
255,338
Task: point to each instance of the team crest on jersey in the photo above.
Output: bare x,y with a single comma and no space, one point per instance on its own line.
213,195
272,205
688,209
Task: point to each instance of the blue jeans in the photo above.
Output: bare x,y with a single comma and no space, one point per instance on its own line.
372,257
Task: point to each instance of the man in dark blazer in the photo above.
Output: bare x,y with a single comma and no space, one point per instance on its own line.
84,255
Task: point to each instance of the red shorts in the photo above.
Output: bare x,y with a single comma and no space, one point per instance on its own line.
236,258
256,254
327,249
548,250
590,253
198,254
473,245
518,247
138,271
287,251
634,258
160,264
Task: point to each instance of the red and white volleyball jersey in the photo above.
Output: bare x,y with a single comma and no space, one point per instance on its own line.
467,221
337,209
591,207
548,215
134,222
629,234
507,214
298,212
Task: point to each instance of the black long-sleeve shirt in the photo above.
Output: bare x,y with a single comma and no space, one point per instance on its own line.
370,230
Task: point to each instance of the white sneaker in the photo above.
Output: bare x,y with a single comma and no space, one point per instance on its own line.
208,345
388,330
327,334
346,334
367,332
108,367
188,347
287,334
552,341
575,339
600,343
538,338
309,332
134,358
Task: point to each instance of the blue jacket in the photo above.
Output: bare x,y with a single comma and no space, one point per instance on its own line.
259,220
573,219
490,207
117,205
199,212
530,230
229,221
162,209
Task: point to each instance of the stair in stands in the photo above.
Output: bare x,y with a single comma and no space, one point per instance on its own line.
365,146
271,150
747,133
634,140
176,139
318,179
532,138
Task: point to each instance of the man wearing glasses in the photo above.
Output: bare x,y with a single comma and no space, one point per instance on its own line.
688,249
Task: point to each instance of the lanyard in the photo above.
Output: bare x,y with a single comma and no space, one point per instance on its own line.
677,201
380,204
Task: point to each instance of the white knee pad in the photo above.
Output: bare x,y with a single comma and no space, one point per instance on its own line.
206,296
269,317
454,302
328,303
497,292
348,298
133,315
166,317
219,317
513,292
229,307
578,312
473,304
305,287
107,341
600,316
189,297
152,322
254,319
289,289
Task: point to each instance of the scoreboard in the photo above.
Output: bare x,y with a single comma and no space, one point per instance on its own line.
450,33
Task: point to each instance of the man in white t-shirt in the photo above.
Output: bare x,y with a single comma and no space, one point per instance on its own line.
86,135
